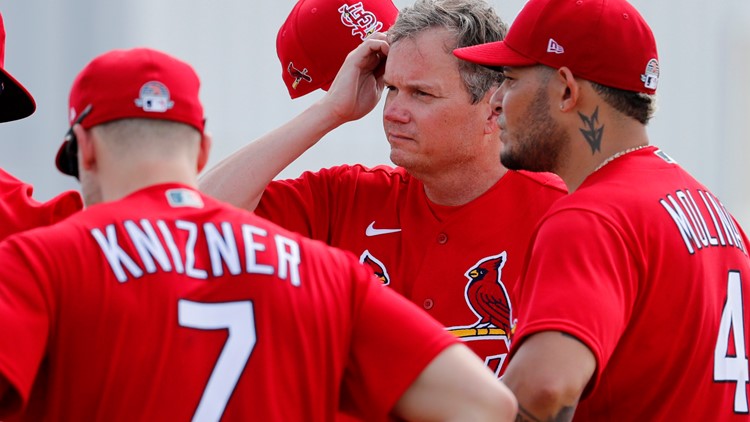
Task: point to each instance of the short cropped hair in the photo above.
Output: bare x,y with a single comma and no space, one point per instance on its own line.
638,105
472,21
139,133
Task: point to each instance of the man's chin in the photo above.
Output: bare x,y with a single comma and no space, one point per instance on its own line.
399,158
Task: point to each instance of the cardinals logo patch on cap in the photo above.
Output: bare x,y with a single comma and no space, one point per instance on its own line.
154,97
298,75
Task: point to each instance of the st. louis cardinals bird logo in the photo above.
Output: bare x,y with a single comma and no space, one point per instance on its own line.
377,267
298,75
486,294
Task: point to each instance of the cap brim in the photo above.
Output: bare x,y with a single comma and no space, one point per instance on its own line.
15,101
63,160
493,54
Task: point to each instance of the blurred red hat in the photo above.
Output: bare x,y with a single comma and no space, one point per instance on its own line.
318,34
15,101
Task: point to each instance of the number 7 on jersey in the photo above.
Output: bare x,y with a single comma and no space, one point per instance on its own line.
239,320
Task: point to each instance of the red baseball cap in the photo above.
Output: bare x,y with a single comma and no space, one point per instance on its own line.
15,101
603,41
318,34
135,83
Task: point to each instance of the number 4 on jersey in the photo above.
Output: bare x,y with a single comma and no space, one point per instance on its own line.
733,367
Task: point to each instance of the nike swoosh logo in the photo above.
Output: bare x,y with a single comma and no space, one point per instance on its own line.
372,231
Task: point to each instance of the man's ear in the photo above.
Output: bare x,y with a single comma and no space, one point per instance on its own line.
205,149
490,122
569,89
86,148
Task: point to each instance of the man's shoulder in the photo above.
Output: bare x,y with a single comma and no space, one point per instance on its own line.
548,181
360,180
20,211
380,172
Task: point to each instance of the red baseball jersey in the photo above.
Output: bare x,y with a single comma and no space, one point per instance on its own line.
168,305
647,268
457,263
19,211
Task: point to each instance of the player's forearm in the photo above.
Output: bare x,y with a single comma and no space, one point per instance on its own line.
241,178
543,402
548,374
456,386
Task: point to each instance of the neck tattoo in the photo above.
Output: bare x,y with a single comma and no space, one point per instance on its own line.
618,155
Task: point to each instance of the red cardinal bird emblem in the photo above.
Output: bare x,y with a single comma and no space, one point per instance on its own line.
486,293
298,75
377,267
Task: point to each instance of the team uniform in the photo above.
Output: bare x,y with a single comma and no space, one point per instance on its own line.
458,263
168,305
19,211
647,268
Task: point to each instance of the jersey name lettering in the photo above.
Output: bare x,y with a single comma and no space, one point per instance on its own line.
219,240
702,226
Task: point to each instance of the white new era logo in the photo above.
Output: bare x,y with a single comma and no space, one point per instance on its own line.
554,47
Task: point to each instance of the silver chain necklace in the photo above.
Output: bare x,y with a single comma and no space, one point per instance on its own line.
618,155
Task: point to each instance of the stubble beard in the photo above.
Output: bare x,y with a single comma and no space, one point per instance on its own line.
539,142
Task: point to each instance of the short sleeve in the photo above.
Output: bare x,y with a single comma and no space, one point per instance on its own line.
392,343
580,279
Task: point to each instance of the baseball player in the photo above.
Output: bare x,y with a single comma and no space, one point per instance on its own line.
18,210
633,304
447,227
161,303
